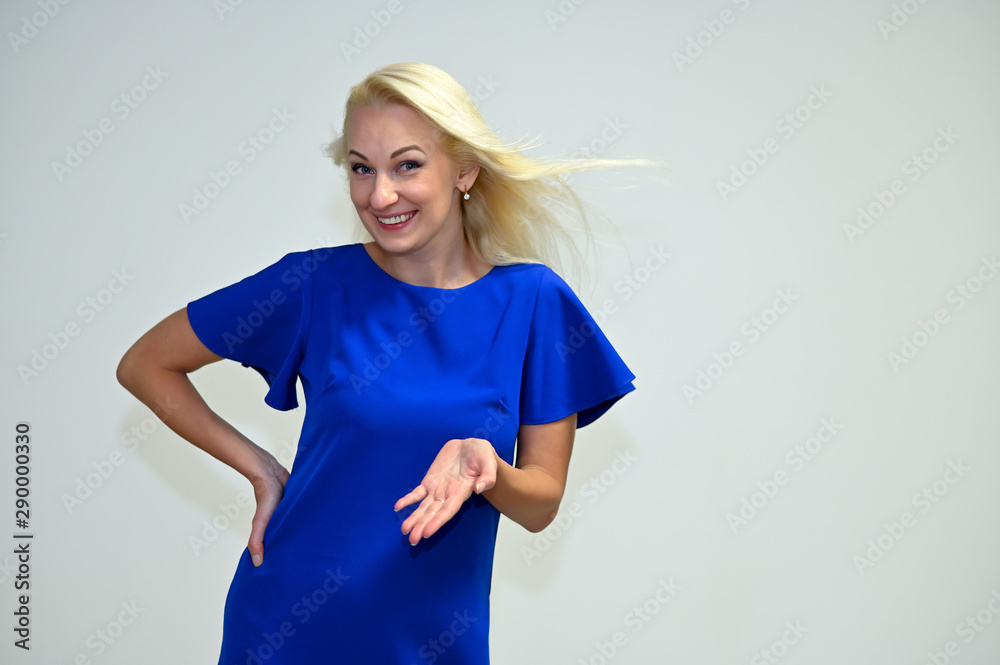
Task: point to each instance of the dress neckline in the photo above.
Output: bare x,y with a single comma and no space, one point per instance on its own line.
368,258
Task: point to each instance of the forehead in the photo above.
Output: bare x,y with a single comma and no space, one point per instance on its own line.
380,131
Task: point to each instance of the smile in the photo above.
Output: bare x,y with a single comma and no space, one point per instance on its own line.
398,219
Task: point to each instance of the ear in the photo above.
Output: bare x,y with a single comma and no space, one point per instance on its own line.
467,177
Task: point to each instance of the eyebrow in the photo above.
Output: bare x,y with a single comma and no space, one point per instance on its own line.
393,155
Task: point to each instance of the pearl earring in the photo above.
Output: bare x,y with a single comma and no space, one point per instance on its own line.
466,197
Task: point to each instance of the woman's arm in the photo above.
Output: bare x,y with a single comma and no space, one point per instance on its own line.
530,491
155,370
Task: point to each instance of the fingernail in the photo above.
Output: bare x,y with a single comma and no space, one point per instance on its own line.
479,488
257,560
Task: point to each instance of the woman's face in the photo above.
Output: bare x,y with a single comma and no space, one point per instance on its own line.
403,184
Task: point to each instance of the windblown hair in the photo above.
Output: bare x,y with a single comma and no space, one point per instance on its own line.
518,202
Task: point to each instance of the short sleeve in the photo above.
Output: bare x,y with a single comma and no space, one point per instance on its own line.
261,322
570,366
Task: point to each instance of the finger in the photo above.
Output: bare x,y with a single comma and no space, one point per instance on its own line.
438,512
415,516
487,477
485,482
258,526
426,508
256,547
436,518
417,494
256,544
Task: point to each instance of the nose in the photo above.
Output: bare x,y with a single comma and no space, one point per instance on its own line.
383,193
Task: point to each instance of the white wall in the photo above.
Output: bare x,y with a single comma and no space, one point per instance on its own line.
572,72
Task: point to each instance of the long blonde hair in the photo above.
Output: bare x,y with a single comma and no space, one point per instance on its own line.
517,204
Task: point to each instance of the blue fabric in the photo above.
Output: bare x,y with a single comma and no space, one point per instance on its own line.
390,372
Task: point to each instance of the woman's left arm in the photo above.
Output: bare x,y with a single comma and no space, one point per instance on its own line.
530,491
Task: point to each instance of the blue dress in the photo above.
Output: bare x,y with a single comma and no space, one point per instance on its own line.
390,372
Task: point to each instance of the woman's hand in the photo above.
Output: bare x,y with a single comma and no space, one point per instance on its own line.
463,466
268,488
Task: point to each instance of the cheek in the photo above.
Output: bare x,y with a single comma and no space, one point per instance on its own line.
427,194
358,194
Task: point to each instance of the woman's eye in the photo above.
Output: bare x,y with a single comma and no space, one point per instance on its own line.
405,166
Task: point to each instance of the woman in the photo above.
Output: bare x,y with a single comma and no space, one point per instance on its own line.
424,355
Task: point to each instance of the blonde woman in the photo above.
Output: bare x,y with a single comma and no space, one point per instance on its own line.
424,355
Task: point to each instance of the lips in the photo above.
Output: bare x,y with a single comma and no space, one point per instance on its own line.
396,221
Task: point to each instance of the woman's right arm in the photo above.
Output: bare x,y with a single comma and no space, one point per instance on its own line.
155,370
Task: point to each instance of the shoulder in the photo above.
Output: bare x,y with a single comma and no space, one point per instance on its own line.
295,267
537,275
317,256
540,288
309,259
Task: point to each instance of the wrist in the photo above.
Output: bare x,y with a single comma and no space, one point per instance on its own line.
260,467
501,469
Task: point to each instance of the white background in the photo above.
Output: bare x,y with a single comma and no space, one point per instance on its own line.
567,72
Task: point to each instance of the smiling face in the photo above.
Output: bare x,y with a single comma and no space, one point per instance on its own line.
402,182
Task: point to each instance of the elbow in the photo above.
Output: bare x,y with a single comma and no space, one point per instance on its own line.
126,372
540,523
121,373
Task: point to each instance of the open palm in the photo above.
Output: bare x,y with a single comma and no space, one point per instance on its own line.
461,467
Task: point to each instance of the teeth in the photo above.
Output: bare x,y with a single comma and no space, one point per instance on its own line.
395,220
